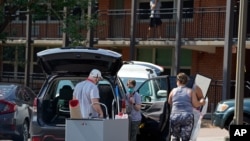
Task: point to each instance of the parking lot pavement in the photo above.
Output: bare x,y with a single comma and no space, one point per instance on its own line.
207,132
211,133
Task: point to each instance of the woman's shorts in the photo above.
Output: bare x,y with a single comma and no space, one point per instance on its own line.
154,22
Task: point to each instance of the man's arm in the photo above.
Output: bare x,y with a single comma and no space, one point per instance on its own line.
154,5
97,107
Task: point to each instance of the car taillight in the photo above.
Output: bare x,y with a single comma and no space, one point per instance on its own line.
35,138
7,107
34,105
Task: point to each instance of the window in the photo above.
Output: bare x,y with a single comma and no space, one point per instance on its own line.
164,58
22,14
13,61
167,9
144,10
60,30
35,30
36,68
8,67
21,70
8,61
188,10
117,4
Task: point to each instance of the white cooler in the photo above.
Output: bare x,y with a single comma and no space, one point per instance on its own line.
97,130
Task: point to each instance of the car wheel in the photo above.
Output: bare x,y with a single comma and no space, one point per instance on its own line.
246,121
24,133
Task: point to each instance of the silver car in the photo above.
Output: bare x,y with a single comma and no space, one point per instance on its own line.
16,102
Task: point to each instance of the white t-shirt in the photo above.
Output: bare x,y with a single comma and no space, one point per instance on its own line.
84,92
155,12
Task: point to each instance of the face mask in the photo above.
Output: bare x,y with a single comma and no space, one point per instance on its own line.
130,90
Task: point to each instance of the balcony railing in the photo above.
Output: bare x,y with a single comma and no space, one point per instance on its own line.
197,24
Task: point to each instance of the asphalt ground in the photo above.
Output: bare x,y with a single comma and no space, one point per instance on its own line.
208,132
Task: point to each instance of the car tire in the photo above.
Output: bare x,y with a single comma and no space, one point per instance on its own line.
246,121
24,133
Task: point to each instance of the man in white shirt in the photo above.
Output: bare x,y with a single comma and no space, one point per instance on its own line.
87,93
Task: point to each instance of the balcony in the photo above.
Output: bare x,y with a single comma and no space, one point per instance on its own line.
198,24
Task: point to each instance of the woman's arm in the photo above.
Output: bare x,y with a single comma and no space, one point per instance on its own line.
198,92
195,102
170,98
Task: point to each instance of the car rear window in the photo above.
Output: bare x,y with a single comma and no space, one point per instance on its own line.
5,91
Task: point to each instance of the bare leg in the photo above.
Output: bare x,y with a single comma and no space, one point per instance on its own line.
148,34
159,31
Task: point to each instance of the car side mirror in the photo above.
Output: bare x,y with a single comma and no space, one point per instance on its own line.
162,94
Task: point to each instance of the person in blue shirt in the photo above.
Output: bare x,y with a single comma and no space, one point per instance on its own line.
134,102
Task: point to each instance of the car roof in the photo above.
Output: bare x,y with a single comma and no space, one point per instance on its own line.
158,69
133,70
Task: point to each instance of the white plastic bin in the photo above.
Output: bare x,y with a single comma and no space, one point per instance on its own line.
97,130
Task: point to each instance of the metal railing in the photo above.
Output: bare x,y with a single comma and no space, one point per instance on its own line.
197,24
36,79
215,92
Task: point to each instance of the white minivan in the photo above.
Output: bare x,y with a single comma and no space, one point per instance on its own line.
140,73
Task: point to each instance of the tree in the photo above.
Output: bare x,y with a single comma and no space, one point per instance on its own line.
77,19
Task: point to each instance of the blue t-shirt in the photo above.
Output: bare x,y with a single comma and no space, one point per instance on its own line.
135,115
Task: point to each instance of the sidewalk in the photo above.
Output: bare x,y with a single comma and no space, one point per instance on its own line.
211,133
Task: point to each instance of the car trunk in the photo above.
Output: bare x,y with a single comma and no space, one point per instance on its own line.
77,62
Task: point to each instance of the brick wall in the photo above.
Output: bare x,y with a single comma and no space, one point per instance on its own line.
211,64
209,3
104,4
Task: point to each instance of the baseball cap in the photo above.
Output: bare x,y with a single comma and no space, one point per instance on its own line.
95,73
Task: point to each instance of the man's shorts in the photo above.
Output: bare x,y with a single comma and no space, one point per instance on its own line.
155,22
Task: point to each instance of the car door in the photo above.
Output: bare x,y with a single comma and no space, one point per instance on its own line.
154,93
